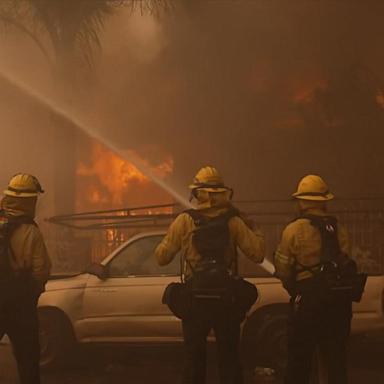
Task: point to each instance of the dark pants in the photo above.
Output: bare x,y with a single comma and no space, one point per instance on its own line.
18,319
225,322
322,324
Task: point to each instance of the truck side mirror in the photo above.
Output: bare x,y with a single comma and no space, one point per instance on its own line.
98,270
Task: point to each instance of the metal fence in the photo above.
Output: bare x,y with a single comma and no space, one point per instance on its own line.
74,247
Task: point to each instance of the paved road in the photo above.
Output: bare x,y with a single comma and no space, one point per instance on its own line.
163,365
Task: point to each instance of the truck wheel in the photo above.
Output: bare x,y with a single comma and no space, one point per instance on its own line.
266,340
56,338
275,342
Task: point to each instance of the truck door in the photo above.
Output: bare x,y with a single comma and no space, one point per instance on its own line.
127,306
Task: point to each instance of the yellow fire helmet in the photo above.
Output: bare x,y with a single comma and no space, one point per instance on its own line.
314,188
208,179
23,185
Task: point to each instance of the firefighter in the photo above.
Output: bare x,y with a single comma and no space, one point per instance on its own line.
208,237
308,260
24,270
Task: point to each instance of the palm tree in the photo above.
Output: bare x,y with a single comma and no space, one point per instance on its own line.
67,33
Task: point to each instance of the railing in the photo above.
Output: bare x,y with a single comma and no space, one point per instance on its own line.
76,240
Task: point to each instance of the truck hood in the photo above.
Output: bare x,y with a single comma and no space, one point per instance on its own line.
72,282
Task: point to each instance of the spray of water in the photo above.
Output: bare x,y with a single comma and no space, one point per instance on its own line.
69,116
129,156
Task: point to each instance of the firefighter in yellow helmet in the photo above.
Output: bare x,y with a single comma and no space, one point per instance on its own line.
24,270
212,295
312,262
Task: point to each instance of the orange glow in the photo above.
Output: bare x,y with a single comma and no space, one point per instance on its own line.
105,181
380,99
305,93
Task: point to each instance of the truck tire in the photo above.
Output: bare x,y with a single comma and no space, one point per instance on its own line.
265,339
274,342
56,338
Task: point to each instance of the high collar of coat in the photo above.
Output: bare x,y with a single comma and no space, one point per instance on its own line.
19,206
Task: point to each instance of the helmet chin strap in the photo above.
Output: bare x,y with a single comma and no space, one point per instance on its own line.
193,194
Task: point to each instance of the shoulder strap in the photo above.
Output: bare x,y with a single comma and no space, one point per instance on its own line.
204,223
196,216
200,219
327,226
232,212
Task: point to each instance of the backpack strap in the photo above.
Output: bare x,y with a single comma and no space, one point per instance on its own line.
330,247
199,219
196,216
327,226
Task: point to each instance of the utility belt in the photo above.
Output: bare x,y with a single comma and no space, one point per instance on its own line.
334,282
211,287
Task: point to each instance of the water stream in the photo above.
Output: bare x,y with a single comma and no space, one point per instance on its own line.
128,156
63,112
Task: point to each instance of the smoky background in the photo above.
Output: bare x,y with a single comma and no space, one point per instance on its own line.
266,91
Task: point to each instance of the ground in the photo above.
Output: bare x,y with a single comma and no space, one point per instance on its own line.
145,365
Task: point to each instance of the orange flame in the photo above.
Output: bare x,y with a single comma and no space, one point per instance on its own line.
107,181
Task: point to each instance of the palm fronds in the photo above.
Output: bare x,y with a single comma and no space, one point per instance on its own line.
70,27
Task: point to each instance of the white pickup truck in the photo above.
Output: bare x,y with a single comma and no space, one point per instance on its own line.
119,301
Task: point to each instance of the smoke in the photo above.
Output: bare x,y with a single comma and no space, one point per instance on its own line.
267,91
247,86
